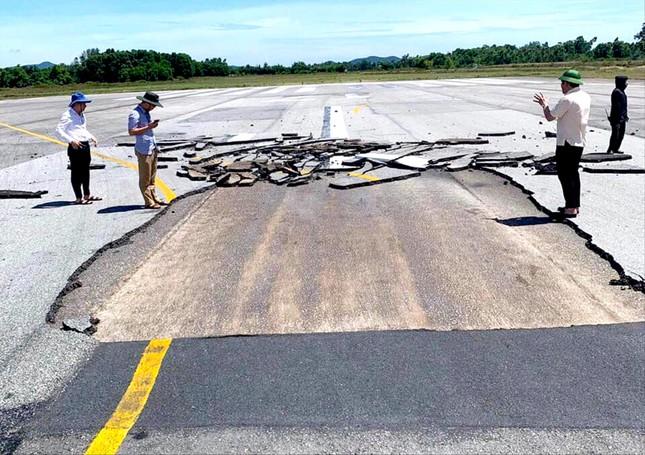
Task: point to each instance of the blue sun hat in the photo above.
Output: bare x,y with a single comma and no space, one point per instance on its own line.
79,97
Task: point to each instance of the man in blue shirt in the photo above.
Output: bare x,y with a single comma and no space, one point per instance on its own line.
142,127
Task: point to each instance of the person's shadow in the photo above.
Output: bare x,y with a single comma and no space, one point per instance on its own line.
120,209
525,221
53,204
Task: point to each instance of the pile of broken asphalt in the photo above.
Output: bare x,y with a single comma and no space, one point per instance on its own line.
293,160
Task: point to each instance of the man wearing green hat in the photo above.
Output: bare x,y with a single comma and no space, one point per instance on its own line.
572,114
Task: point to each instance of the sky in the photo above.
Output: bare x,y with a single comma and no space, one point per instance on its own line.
283,31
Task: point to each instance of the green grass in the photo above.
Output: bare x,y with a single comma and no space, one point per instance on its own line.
602,70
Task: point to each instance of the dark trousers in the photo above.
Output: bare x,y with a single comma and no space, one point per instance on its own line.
567,160
617,135
79,160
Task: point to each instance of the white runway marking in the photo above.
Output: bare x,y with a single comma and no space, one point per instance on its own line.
211,108
242,137
216,92
337,128
275,90
306,89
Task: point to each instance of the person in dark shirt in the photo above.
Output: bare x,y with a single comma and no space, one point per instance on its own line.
618,115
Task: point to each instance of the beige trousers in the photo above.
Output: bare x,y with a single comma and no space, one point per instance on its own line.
147,174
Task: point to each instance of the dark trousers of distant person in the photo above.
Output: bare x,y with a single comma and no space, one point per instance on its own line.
567,160
79,160
617,135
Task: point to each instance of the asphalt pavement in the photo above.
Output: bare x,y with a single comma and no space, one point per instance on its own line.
565,390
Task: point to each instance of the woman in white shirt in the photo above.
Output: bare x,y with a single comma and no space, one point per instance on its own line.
72,128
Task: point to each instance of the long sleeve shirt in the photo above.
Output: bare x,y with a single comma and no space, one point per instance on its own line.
618,107
73,127
572,112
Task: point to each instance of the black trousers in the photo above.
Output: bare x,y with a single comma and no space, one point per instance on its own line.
79,160
617,135
567,160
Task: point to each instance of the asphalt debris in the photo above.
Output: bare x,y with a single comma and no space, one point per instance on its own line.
20,194
85,325
291,159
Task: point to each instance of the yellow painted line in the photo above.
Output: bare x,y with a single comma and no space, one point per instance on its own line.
113,433
356,110
371,178
169,194
30,133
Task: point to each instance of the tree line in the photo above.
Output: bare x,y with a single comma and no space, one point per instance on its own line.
145,65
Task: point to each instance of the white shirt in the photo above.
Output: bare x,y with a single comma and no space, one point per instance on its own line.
572,112
72,127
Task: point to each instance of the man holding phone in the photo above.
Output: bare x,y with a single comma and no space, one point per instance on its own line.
142,127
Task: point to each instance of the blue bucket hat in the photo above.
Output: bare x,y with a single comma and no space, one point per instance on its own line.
79,97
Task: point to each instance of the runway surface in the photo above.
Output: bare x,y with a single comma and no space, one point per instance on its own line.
309,265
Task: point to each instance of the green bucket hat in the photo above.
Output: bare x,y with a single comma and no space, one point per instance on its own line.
572,76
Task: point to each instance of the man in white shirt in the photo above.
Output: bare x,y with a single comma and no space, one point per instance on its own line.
72,128
572,114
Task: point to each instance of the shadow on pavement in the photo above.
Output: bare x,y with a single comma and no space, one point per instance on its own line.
525,221
121,208
53,204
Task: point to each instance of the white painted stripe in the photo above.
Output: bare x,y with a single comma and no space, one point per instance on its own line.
162,95
501,81
217,106
216,92
242,137
306,89
273,91
337,128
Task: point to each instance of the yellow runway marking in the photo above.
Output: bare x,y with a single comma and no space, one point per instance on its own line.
133,401
169,194
30,133
371,178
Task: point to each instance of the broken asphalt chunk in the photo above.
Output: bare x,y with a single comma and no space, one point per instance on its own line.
546,168
19,194
600,157
85,325
375,177
196,175
461,140
92,166
181,145
239,166
546,158
618,168
461,163
167,158
504,133
507,156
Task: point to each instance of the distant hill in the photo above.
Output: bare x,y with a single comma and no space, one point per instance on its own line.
42,66
373,60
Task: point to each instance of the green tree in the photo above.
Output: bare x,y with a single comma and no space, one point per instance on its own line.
17,77
59,74
620,49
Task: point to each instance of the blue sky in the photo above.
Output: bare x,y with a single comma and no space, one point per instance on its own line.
284,31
